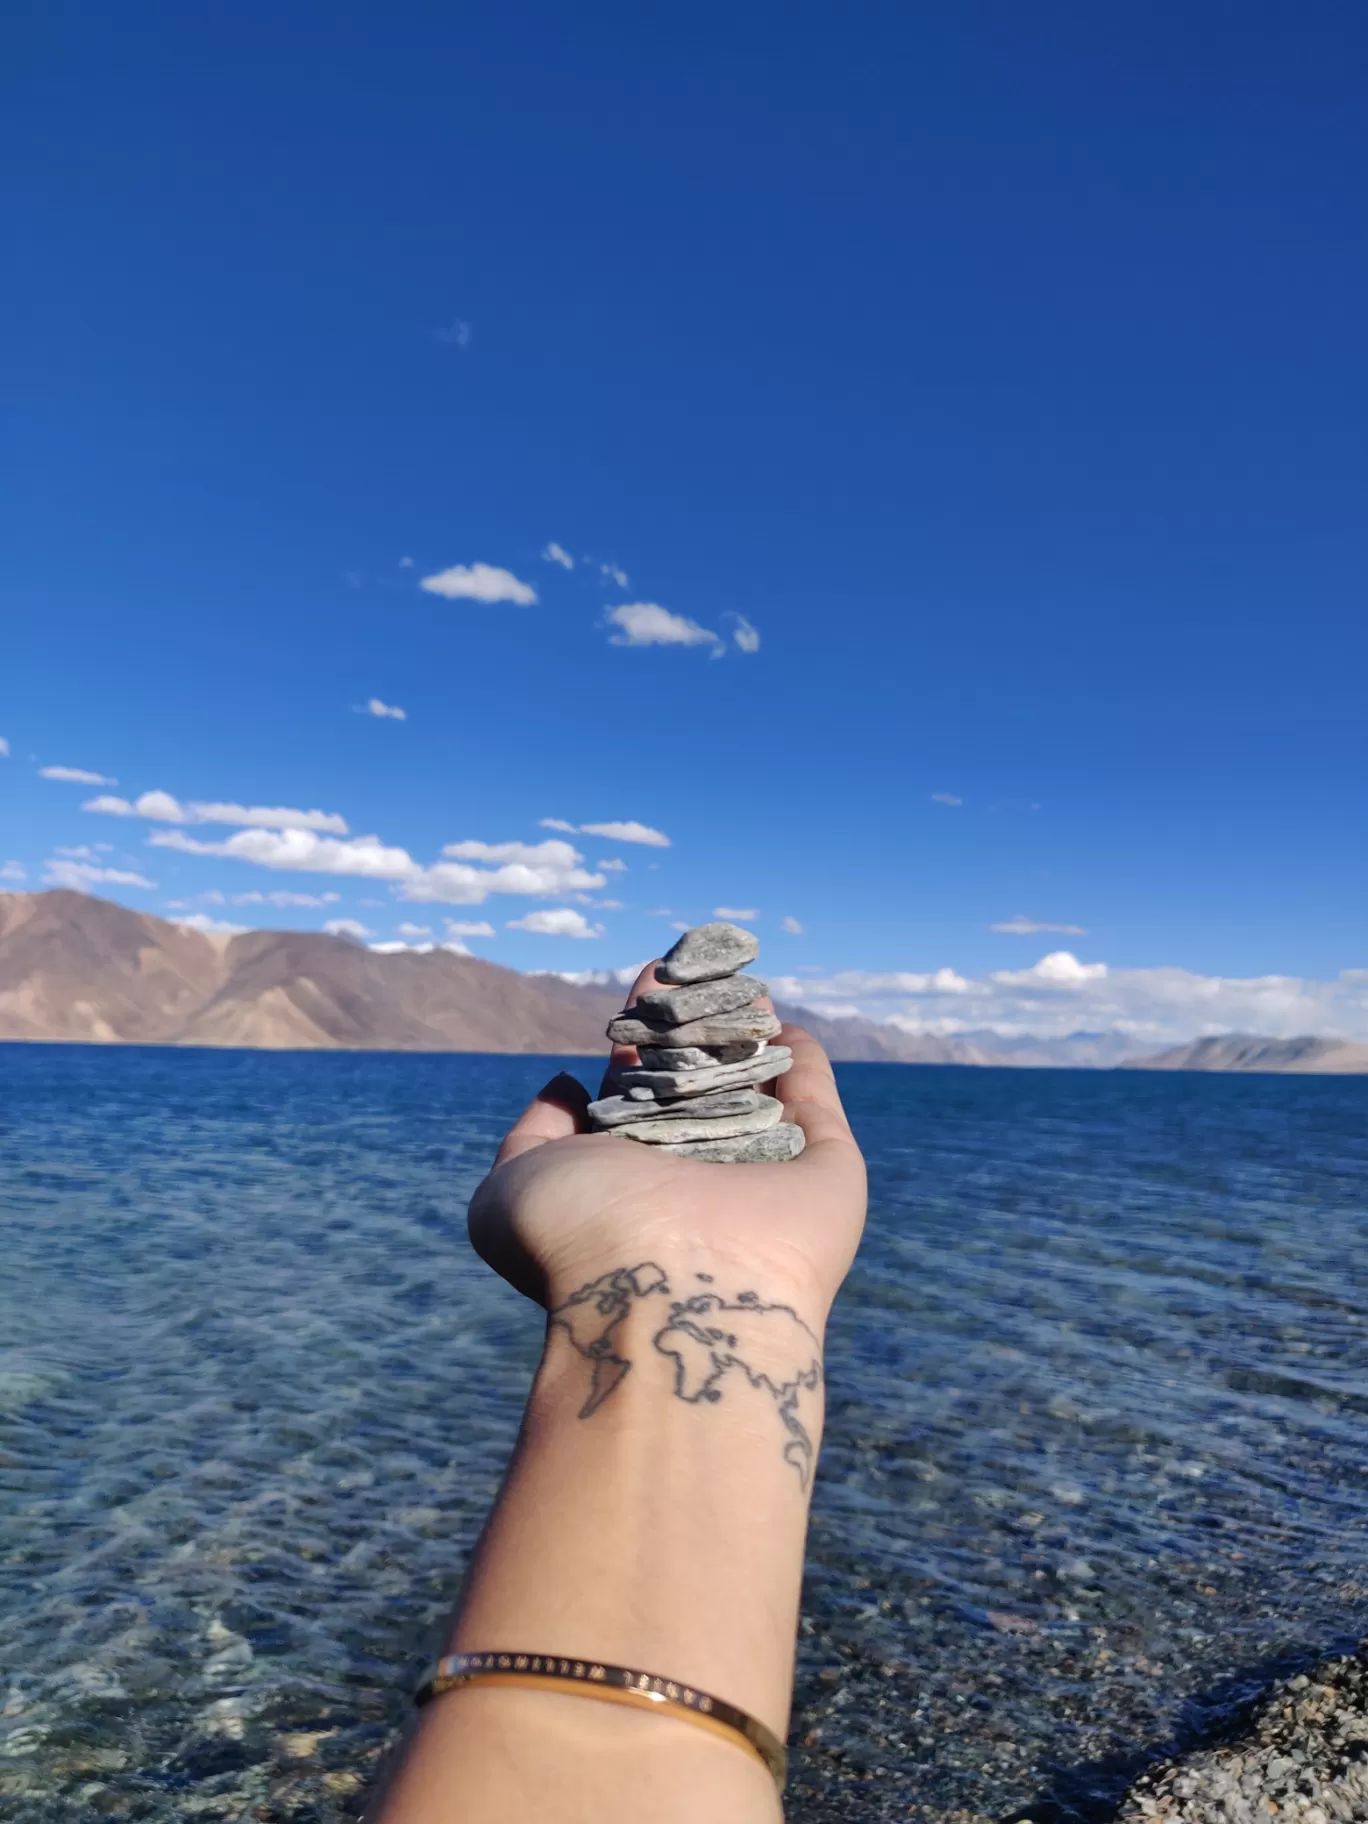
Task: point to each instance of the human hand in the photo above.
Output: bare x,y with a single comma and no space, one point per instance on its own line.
562,1205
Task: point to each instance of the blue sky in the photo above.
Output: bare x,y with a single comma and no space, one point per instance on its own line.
997,374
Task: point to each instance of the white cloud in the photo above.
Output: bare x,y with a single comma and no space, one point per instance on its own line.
87,851
74,775
479,583
410,932
745,636
743,912
562,922
302,850
397,947
457,927
374,707
457,333
280,898
347,927
211,927
406,563
792,926
628,832
534,870
1060,995
4,748
612,832
606,905
557,554
1060,969
595,978
13,870
612,866
615,574
1021,926
161,807
648,624
945,798
81,876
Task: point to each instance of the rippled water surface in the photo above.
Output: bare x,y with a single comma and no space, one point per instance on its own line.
1097,1452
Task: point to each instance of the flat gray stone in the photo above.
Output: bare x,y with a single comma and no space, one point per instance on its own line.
694,1057
772,1062
612,1111
699,1001
721,1029
707,952
775,1146
673,1129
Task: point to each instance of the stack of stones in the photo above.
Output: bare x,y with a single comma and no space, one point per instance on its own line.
703,1042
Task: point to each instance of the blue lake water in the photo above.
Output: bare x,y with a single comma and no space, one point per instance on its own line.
1096,1461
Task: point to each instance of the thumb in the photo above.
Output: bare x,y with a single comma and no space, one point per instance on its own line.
554,1113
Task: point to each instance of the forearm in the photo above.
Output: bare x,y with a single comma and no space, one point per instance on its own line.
654,1516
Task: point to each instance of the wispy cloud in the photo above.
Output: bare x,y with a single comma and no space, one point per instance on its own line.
348,927
648,624
1061,994
945,798
74,775
211,927
161,807
281,899
743,912
4,748
457,927
628,832
479,583
611,832
563,921
532,870
792,926
557,554
457,334
304,850
13,870
1021,926
81,876
374,707
745,635
614,573
406,563
612,866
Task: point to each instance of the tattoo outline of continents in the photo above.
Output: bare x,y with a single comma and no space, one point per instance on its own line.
592,1317
770,1344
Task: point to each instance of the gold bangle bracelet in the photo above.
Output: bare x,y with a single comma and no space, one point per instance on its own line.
612,1685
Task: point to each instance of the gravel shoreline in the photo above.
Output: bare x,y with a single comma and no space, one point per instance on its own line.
1303,1756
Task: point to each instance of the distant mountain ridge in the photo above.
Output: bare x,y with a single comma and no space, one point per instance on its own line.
1246,1051
79,969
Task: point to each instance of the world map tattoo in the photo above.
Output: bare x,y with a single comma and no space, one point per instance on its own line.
708,1338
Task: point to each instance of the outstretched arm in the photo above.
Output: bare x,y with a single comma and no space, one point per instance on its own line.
655,1511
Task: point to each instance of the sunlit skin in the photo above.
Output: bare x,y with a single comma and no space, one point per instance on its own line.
662,1530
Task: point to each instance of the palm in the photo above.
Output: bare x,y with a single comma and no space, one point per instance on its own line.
558,1196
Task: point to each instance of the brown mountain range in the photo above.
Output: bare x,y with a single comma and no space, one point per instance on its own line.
81,969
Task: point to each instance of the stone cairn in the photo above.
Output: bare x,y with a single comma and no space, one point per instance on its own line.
704,1049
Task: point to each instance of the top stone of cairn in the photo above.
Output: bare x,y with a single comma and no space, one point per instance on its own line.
707,953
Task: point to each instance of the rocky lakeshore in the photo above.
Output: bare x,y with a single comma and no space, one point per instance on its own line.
1301,1757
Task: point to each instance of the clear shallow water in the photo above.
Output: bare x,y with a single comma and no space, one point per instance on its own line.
1097,1451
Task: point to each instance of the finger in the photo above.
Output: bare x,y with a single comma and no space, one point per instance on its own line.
623,1056
809,1094
554,1113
